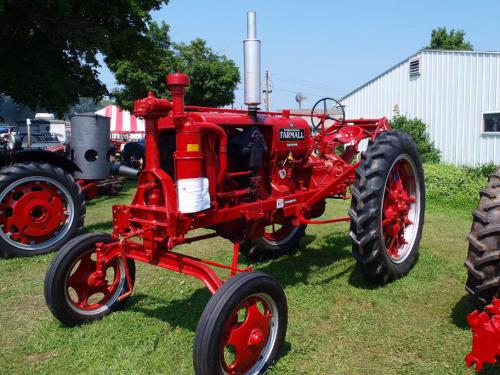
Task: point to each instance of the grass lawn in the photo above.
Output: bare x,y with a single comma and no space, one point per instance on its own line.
338,323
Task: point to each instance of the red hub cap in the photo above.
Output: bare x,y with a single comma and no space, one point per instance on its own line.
89,288
246,336
33,212
399,208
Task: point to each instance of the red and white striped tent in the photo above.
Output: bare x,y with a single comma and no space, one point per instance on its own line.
122,122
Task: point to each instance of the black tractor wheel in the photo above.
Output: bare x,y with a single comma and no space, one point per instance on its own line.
74,292
387,207
41,208
242,328
277,240
483,258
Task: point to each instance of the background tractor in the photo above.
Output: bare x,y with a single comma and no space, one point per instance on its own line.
257,179
45,180
483,281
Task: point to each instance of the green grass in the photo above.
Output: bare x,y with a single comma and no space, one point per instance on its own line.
338,323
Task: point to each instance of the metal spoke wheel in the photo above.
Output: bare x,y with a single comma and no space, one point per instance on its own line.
400,211
41,207
77,290
242,328
387,207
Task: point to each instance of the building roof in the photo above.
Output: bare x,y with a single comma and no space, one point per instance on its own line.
423,50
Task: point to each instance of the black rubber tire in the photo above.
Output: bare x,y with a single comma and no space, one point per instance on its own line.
206,354
368,245
483,257
10,174
262,248
55,280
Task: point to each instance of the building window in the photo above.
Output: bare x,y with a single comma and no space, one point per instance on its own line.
415,67
491,122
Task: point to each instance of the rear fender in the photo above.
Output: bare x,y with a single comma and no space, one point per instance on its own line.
46,156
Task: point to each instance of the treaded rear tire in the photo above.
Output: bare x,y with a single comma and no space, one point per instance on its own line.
10,174
483,257
368,243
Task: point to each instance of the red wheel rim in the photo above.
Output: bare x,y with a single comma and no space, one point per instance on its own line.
400,211
278,232
36,212
91,290
249,335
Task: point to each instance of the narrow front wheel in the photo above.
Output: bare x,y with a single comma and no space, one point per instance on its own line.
242,328
76,292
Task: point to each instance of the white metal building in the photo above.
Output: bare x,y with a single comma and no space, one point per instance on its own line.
456,93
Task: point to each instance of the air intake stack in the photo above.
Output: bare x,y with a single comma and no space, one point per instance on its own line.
252,78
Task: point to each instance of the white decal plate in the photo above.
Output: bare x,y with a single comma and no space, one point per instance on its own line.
193,194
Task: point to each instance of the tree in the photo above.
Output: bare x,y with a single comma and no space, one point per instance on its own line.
452,40
418,131
214,77
49,48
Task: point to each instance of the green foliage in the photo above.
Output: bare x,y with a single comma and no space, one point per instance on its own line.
418,130
214,77
49,48
483,170
456,187
449,40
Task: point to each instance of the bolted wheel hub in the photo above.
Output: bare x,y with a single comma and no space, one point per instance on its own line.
247,335
399,209
90,289
35,211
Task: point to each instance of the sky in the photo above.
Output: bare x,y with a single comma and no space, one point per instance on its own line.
325,48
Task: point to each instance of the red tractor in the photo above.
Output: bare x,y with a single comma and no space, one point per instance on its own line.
483,282
257,179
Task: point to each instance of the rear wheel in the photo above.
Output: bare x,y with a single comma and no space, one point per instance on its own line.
242,328
277,240
75,292
483,258
41,207
387,207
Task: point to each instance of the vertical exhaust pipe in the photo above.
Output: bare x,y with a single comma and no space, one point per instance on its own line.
252,77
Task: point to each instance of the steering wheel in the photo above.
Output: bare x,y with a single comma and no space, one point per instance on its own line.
335,113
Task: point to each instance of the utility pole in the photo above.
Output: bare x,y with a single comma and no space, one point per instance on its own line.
267,91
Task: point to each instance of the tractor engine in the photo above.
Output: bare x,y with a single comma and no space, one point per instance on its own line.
265,159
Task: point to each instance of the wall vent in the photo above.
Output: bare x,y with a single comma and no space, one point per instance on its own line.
415,67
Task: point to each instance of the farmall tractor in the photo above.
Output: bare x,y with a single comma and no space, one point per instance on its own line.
257,179
483,282
43,190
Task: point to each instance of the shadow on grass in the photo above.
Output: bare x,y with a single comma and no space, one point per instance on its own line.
359,281
183,312
460,311
296,269
288,270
